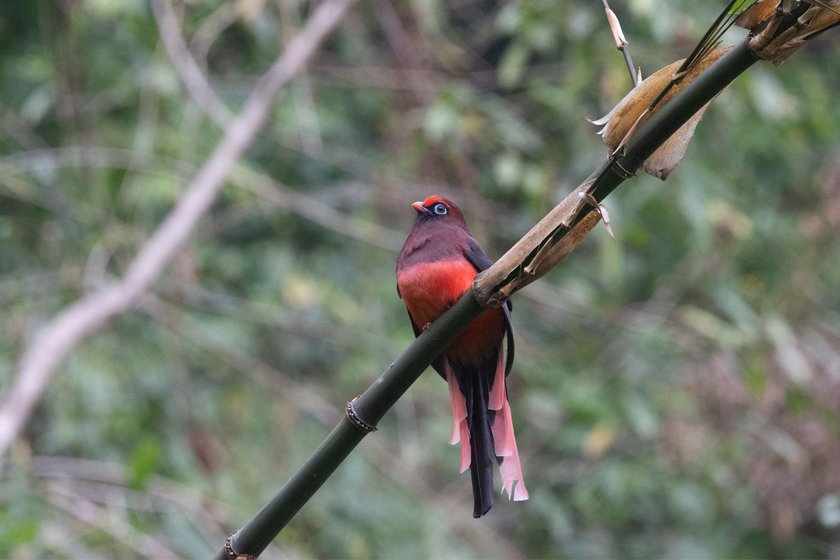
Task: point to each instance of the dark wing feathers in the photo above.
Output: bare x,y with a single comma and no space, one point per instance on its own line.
476,255
479,259
511,349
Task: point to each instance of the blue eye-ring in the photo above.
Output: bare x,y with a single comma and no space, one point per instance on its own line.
440,209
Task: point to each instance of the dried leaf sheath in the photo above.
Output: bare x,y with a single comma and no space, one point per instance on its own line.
777,33
632,111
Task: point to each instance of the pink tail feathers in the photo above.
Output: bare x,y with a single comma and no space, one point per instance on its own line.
505,443
460,428
498,395
504,440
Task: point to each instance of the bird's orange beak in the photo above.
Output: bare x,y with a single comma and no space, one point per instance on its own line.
420,208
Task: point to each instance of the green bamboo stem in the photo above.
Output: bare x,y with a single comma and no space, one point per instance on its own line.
369,408
257,534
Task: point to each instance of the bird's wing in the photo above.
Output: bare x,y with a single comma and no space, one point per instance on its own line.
479,259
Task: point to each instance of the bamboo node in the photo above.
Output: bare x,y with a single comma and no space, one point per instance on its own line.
622,171
350,411
230,554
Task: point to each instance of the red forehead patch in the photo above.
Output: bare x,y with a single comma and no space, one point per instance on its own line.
434,199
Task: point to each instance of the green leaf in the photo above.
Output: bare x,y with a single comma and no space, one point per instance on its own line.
144,461
738,6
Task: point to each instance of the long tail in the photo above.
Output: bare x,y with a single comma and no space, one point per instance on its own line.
483,425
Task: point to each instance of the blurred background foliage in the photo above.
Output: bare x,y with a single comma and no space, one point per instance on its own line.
676,393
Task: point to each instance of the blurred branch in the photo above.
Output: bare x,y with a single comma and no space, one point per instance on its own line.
318,212
225,15
89,156
406,51
18,129
58,337
194,79
67,498
306,113
109,484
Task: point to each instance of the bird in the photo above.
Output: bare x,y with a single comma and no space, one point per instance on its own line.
436,266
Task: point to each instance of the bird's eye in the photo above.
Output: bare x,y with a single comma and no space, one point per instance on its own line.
440,209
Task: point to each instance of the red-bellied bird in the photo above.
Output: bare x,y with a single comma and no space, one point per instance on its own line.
437,264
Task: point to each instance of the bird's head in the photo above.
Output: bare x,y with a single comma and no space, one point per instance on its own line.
437,209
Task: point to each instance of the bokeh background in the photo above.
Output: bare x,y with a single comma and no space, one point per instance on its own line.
676,392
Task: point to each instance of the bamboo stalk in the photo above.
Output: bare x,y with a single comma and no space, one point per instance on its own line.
364,413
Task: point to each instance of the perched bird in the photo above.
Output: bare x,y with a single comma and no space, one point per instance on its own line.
435,267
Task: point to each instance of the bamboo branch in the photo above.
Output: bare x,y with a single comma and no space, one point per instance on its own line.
363,413
621,42
67,329
554,237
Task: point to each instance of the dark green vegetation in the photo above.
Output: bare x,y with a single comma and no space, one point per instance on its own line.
675,393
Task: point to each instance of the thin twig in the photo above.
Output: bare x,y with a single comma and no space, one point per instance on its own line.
709,41
621,42
52,344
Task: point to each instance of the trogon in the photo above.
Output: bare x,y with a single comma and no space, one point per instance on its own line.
436,265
